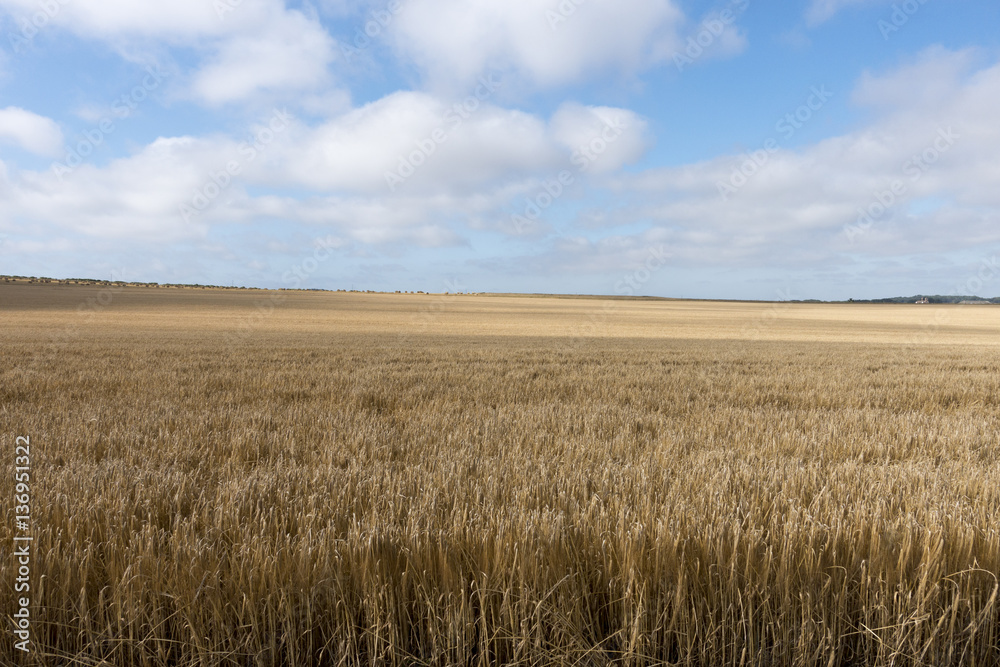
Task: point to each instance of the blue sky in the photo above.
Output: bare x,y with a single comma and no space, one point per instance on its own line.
822,149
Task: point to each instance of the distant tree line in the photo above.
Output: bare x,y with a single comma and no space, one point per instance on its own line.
937,298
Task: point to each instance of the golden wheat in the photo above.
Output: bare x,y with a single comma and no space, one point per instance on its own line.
243,478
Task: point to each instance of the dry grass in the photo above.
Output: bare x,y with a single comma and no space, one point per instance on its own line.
409,480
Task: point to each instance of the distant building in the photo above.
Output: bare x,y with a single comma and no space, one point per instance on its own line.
924,300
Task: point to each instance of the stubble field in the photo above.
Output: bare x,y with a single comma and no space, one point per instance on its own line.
220,477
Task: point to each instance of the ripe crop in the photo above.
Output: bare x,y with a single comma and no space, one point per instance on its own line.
464,480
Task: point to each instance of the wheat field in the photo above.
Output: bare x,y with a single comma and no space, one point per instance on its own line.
236,477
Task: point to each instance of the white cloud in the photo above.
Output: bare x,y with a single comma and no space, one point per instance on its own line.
615,137
718,35
935,137
444,146
473,160
930,81
114,18
249,46
34,133
411,142
791,213
543,42
131,198
292,54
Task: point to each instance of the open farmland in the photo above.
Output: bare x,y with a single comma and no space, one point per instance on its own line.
221,477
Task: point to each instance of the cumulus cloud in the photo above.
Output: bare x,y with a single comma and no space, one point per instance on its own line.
292,54
718,35
34,133
248,46
114,18
465,162
932,128
131,198
613,137
926,84
923,146
410,142
540,41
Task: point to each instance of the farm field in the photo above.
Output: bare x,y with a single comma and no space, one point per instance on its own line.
237,477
